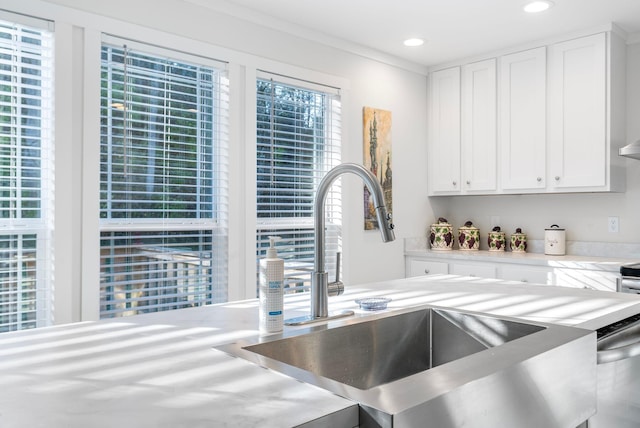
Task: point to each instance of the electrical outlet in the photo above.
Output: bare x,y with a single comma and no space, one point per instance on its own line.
614,224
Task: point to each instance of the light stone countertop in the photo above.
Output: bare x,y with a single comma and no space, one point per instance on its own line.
607,264
600,256
159,370
154,370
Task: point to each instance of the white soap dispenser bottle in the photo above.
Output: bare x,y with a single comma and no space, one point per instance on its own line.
271,290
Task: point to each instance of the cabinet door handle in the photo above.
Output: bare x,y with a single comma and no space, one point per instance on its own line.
468,182
557,178
524,280
426,271
539,179
455,183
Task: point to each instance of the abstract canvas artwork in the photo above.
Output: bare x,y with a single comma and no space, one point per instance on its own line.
378,159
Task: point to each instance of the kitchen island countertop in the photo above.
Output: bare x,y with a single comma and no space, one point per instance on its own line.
160,370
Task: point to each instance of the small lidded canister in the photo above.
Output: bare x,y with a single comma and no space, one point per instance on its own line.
554,241
496,240
441,235
469,237
519,242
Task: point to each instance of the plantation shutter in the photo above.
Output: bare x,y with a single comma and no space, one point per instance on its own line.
298,142
163,185
26,177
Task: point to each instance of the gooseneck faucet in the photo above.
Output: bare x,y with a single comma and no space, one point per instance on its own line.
319,279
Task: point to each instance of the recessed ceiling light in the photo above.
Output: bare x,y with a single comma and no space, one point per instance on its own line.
537,6
413,42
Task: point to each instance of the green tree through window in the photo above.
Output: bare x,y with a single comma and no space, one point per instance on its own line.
162,201
26,176
298,141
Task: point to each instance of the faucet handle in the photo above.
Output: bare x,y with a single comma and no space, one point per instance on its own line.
336,288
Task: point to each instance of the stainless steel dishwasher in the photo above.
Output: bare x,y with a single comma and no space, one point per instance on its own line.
619,365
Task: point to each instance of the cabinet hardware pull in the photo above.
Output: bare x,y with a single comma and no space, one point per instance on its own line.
468,182
426,271
539,179
455,183
557,178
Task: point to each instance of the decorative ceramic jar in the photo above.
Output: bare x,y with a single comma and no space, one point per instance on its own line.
554,241
441,235
468,237
519,242
496,240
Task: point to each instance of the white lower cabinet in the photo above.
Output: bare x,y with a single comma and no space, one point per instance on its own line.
531,275
592,279
575,277
484,270
425,267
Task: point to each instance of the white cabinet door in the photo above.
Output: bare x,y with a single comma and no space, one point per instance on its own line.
444,132
582,278
530,275
484,270
426,267
522,119
479,144
577,113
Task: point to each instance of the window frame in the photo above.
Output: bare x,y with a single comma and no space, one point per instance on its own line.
215,227
18,229
295,229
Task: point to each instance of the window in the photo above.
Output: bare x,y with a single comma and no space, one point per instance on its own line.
298,142
26,181
163,200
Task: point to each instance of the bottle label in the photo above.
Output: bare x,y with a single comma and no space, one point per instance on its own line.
275,284
271,296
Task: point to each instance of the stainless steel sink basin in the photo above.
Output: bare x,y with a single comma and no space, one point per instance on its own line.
436,367
375,352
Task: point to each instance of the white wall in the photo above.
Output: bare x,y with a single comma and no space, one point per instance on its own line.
583,215
246,46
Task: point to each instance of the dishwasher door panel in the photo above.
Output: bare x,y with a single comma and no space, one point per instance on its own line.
618,403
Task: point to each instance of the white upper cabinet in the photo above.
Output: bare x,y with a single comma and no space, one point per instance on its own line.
444,132
479,142
543,120
462,130
577,113
522,120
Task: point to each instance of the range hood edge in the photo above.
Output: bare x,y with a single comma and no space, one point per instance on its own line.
631,150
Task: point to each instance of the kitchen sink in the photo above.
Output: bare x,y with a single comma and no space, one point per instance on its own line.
375,352
437,367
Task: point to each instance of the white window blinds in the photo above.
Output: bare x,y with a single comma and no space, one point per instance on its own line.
163,185
298,142
26,179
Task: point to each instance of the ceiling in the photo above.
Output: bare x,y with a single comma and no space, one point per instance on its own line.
453,29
